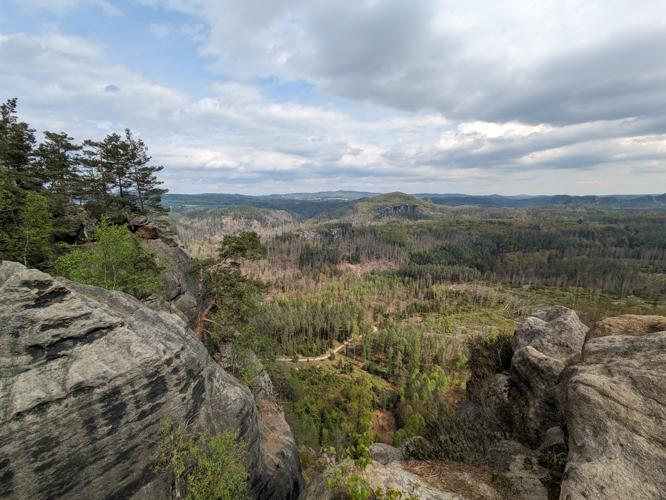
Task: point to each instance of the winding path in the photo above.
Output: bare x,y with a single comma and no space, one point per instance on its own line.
323,357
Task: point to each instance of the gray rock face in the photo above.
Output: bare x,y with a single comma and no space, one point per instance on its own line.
543,346
180,288
554,331
615,408
86,375
385,453
280,457
518,466
403,210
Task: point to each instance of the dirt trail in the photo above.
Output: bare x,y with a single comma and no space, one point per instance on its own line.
323,357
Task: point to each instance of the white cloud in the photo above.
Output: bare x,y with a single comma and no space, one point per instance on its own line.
438,96
500,60
61,7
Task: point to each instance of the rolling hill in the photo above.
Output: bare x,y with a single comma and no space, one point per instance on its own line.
343,204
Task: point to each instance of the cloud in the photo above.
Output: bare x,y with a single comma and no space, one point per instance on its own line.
62,7
417,96
62,82
550,62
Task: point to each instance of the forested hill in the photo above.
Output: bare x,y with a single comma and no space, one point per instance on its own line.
647,201
313,204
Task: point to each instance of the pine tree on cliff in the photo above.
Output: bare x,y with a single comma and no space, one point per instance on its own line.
57,165
224,287
96,178
114,162
17,141
141,173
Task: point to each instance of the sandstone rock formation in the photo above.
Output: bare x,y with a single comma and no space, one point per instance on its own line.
517,467
615,410
590,406
385,453
543,346
379,477
402,210
180,288
87,374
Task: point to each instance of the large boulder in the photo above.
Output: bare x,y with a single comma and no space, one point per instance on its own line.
86,376
543,346
555,331
376,477
385,453
615,409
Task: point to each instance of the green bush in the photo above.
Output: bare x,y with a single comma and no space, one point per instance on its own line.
115,261
488,355
202,467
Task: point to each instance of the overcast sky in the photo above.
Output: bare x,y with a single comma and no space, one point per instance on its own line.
270,96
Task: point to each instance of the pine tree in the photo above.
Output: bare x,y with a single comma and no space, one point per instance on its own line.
112,178
57,164
6,198
115,166
31,243
17,141
95,177
141,174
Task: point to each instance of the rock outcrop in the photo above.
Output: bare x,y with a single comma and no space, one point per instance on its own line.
589,412
376,477
280,457
385,453
180,287
402,210
517,467
543,346
615,410
86,375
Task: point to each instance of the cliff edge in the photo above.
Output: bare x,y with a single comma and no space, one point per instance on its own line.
86,376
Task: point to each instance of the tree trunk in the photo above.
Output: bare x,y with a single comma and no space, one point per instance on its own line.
203,317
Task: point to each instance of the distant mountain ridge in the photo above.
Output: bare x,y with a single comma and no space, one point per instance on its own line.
341,202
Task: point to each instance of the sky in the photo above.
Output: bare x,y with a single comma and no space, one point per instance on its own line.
278,96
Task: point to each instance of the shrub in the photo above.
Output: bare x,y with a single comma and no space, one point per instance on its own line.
488,355
116,261
204,467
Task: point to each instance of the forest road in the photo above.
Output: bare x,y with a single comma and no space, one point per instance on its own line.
323,357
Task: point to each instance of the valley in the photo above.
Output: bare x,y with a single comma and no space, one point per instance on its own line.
376,312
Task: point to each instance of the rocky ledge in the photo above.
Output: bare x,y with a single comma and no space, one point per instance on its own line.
583,412
86,376
614,404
